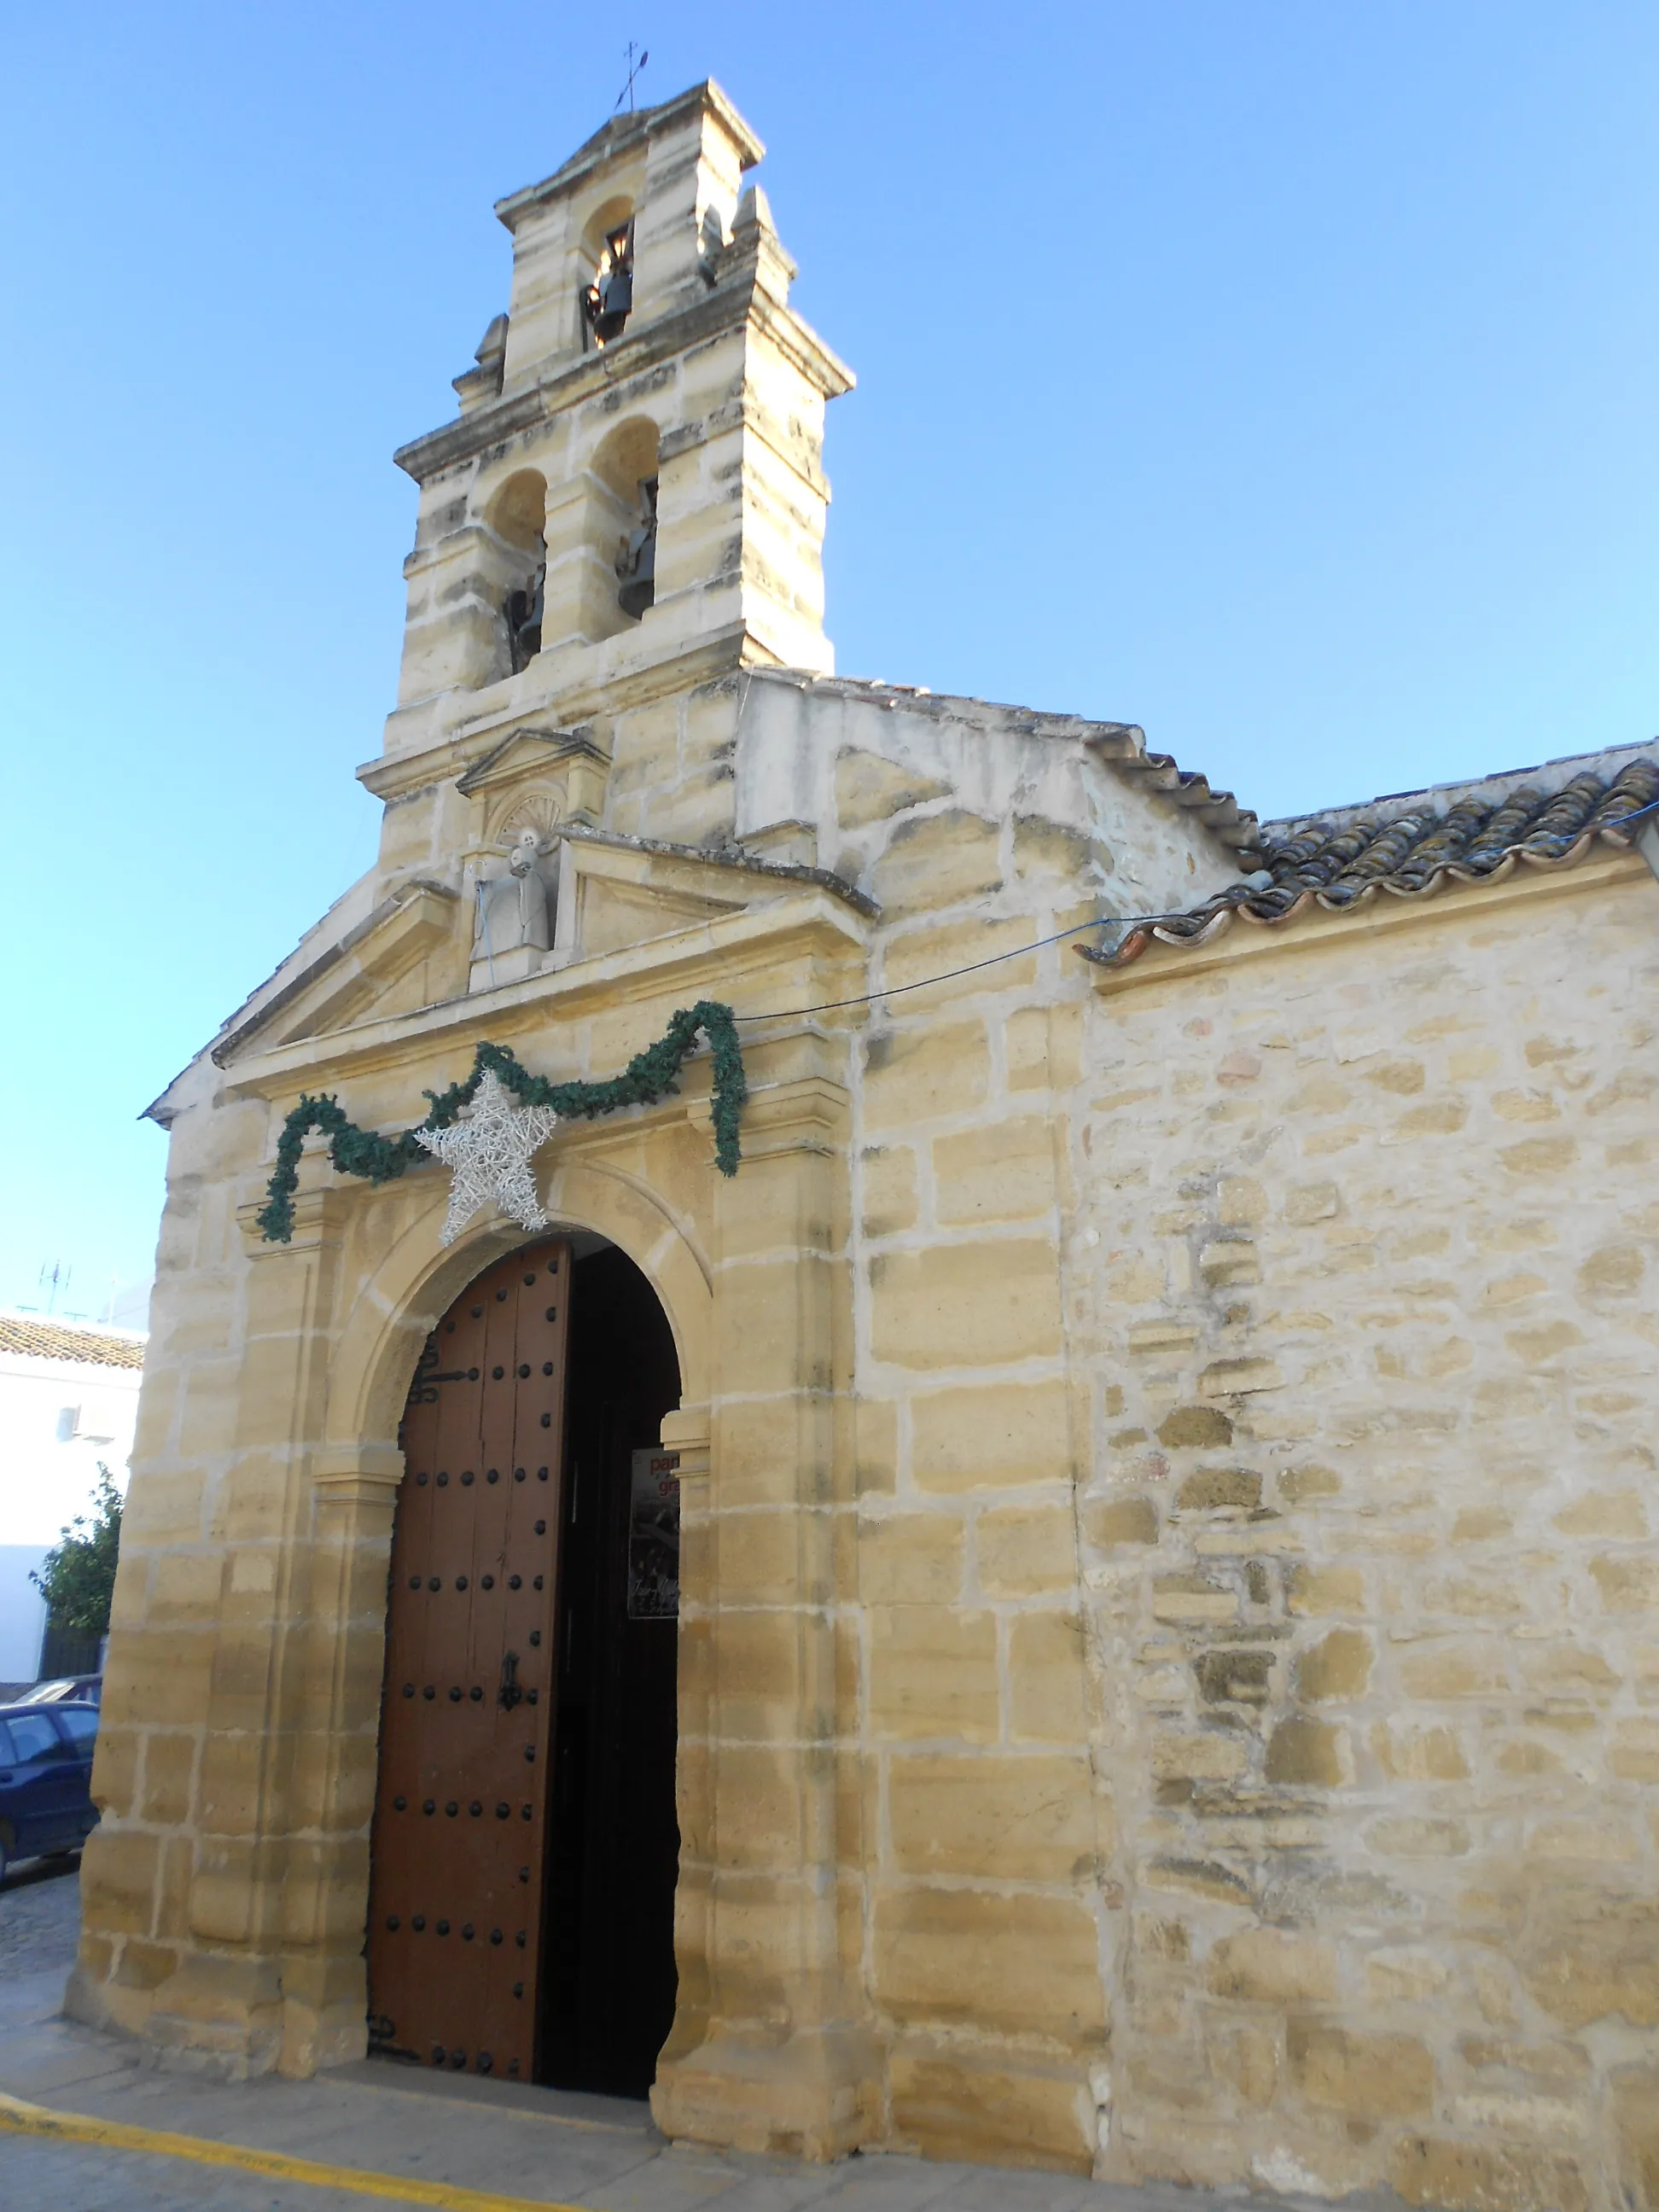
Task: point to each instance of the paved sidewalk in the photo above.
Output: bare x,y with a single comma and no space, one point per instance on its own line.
544,2146
40,1919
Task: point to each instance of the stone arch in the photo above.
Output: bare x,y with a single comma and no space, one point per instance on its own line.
357,1468
360,1473
515,511
600,518
418,1279
516,516
627,453
616,209
623,479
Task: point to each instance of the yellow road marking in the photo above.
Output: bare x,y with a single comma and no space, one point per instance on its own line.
275,2165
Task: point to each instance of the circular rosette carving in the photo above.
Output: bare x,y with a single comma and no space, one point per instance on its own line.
540,810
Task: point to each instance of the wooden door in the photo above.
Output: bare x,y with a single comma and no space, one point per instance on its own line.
460,1830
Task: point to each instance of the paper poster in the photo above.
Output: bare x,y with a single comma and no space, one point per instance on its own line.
653,1537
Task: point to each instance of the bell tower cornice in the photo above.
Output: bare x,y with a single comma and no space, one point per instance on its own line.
746,292
614,140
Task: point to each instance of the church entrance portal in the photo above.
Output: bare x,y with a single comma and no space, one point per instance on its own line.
525,1845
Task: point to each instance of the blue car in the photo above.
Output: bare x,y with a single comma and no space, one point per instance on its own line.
80,1689
45,1779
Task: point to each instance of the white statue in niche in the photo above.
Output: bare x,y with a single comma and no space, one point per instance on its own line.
510,927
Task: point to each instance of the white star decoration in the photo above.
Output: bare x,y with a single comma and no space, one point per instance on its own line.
488,1152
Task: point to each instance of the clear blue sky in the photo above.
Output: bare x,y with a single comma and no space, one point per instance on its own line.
1279,376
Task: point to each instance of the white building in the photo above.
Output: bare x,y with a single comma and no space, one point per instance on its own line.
68,1397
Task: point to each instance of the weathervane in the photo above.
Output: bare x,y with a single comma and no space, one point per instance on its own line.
634,69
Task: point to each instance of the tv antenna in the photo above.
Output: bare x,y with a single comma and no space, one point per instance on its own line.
634,69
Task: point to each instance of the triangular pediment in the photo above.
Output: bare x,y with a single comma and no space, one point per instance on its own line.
613,896
617,892
409,951
534,779
623,134
613,916
526,752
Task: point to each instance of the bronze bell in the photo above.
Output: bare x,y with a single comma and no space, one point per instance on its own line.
641,587
616,302
609,299
522,613
637,565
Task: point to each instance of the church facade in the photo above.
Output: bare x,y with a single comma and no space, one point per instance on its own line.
1094,1603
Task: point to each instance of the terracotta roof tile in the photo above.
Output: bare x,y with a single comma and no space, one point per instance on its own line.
1218,811
57,1339
1413,849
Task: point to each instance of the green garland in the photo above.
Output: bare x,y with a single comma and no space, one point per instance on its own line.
649,1076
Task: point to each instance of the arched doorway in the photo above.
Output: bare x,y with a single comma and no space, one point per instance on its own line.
524,1846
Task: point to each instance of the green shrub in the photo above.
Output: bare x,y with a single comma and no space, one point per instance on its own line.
77,1575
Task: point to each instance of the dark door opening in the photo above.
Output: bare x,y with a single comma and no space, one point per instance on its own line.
525,1849
607,1984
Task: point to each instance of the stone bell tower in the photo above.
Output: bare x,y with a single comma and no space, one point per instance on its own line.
628,507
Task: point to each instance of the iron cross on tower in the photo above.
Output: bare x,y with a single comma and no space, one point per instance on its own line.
634,69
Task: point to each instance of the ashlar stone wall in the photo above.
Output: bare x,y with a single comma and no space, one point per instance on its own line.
989,1891
1257,1676
1363,1248
985,1934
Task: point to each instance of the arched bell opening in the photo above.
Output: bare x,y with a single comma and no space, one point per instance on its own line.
625,467
605,288
517,517
525,1848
